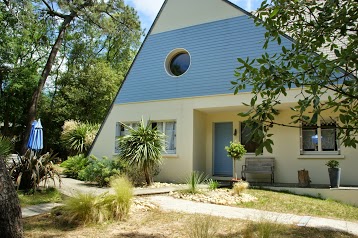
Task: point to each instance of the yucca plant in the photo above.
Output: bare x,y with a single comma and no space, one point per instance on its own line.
30,169
143,147
194,180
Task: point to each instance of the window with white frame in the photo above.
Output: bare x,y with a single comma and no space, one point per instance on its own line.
121,130
246,138
320,138
169,129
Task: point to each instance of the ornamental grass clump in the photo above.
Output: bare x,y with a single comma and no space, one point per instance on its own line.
194,180
120,202
95,209
239,187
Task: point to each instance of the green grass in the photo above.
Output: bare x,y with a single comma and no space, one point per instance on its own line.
39,197
301,205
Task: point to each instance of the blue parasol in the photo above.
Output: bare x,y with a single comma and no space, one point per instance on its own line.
35,142
31,136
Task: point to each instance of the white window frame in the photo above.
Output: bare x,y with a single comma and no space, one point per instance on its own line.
119,127
319,150
174,151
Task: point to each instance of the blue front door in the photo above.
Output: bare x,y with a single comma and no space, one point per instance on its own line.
223,134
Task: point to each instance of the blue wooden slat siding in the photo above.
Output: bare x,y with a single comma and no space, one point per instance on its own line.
214,48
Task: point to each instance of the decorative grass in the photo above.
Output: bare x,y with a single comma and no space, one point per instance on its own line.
86,208
240,187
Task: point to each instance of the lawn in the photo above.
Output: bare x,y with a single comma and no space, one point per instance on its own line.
300,205
39,197
153,223
157,224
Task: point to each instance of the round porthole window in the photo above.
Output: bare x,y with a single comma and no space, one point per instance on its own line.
178,62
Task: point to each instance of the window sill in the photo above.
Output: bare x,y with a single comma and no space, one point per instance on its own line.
170,155
321,156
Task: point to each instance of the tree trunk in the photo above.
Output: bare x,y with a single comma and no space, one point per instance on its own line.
10,210
45,73
148,179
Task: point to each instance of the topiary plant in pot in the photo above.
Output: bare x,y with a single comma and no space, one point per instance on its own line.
235,151
334,173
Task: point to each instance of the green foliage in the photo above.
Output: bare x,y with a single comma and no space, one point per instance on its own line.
100,170
30,169
213,184
135,174
77,136
6,146
98,47
194,180
49,195
319,68
73,165
235,150
332,164
143,148
94,209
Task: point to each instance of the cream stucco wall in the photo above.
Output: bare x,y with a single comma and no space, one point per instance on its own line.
195,118
195,12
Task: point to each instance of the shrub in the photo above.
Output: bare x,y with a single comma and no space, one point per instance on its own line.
194,180
89,208
332,164
73,165
100,170
29,170
235,150
78,137
136,174
239,187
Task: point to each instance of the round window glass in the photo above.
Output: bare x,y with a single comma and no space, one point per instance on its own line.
180,64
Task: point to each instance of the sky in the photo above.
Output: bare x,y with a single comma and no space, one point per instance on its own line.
148,9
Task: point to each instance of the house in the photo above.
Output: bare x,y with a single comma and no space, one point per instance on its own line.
180,80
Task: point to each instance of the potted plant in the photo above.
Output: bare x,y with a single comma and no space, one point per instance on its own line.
235,151
334,173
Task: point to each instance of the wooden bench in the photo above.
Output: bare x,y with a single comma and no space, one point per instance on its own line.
259,166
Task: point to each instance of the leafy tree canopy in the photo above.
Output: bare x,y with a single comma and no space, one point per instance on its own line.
84,48
319,69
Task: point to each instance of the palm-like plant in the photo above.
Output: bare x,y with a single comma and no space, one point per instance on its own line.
78,136
143,147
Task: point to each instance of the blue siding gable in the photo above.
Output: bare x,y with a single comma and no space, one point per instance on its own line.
214,48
